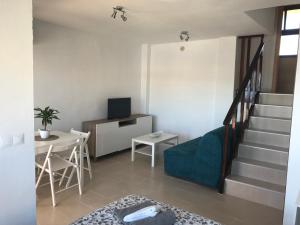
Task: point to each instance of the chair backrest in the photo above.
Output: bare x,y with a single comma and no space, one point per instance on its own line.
83,135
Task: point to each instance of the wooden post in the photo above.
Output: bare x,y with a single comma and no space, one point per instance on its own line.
242,109
248,93
242,62
233,126
248,53
260,70
224,159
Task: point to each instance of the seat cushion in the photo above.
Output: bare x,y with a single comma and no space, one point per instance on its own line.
178,160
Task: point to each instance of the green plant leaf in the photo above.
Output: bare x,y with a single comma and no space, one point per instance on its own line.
47,115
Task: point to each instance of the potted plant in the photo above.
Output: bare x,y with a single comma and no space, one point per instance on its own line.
47,115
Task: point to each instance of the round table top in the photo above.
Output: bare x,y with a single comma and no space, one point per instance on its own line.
50,138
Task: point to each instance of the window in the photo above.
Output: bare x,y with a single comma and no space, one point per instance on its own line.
290,31
292,19
289,45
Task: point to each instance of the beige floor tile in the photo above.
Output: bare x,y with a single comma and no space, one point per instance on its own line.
116,176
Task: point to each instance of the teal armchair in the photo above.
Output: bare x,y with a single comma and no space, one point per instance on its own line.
198,160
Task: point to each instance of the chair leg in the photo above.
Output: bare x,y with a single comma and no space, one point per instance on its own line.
65,171
78,174
51,183
88,162
70,177
63,177
40,177
38,170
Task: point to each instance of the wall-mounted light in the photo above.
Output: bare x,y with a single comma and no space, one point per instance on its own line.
119,9
184,36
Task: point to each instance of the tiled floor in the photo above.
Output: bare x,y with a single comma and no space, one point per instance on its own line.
115,177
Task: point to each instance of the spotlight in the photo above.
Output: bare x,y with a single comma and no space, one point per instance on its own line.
114,14
124,18
184,36
119,9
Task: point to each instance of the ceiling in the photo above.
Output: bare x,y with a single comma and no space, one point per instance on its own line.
163,20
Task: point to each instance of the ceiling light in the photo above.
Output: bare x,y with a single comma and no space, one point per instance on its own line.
114,14
119,9
124,18
184,36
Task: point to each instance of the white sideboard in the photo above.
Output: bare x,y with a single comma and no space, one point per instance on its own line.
108,136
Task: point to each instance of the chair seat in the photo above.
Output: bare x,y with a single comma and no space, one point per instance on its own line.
57,163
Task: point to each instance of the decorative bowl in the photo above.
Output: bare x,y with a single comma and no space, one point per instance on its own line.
156,134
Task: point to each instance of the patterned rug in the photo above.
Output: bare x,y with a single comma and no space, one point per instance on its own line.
104,216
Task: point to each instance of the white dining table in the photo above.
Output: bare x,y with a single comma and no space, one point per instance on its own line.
63,137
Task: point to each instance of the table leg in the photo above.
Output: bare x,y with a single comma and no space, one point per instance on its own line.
153,155
132,151
81,164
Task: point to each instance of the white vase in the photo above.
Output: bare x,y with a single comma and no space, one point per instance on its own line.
44,133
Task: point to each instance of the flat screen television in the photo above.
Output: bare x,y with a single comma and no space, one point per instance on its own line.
118,108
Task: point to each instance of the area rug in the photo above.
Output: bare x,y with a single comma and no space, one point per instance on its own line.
105,215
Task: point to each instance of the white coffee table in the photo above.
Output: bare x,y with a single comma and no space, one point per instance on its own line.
153,142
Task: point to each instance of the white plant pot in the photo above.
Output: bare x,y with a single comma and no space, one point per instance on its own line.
44,134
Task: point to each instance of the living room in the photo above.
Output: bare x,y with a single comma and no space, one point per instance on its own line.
182,77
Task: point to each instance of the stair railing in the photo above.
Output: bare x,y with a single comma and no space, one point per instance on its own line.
242,107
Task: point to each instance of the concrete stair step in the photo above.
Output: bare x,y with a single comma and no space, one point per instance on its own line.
276,99
270,123
263,171
264,153
255,190
259,172
273,111
265,137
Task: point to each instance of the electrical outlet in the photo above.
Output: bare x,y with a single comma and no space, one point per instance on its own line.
6,141
18,139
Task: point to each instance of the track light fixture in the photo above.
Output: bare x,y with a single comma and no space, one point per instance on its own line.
119,9
124,18
114,14
184,36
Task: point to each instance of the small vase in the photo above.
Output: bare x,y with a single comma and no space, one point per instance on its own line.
44,133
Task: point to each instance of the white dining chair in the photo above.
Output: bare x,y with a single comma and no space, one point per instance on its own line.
85,137
52,162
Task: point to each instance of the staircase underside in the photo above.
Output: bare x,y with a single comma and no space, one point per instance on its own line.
258,174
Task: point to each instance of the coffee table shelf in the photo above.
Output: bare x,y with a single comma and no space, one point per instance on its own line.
165,138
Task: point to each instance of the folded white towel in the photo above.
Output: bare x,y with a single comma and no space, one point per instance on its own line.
149,211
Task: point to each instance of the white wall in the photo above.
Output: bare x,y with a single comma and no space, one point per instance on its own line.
145,77
266,18
191,90
17,192
293,180
75,72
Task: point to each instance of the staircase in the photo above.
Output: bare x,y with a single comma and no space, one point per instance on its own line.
258,173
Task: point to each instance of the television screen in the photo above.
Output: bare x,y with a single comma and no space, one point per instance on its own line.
119,108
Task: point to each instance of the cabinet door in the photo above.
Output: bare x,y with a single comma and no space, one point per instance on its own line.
106,138
143,126
110,137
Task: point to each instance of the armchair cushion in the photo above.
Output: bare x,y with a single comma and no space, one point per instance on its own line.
198,160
